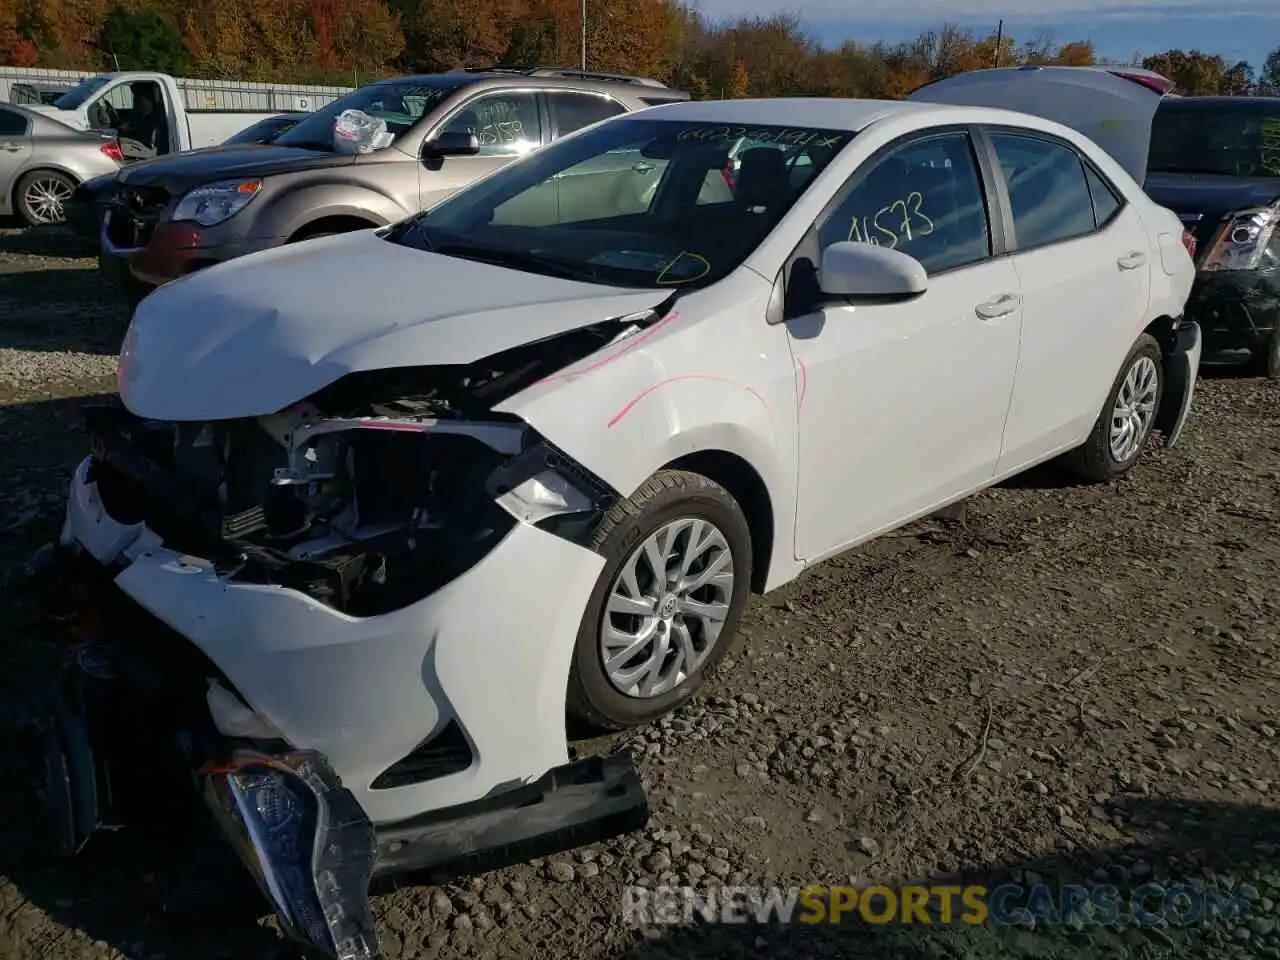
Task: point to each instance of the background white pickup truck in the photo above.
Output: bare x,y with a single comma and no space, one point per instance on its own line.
191,116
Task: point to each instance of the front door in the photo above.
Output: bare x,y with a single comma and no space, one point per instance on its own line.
15,151
902,405
507,124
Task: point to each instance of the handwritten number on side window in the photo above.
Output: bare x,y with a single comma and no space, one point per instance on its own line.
900,220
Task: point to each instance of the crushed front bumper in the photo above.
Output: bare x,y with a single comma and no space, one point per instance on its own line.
484,659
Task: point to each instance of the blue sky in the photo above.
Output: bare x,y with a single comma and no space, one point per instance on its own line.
1236,29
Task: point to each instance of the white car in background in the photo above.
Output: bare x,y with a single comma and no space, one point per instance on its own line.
404,498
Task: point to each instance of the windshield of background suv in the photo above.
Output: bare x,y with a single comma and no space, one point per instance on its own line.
81,92
401,105
1242,140
634,202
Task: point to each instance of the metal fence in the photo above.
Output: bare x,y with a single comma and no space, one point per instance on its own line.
37,83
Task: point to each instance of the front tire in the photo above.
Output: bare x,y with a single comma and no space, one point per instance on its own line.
666,608
1124,426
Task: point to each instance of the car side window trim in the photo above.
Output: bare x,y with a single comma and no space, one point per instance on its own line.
809,247
986,131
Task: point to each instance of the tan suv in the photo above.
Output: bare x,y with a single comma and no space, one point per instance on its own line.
177,214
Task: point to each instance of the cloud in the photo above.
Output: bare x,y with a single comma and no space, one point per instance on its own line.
930,13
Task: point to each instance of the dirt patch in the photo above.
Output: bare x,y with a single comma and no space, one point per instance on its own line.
1073,685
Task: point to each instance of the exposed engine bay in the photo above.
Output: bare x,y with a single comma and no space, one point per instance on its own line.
368,495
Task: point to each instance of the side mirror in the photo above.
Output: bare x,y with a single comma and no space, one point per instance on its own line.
852,269
449,144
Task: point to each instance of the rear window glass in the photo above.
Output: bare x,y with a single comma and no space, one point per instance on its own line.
1240,141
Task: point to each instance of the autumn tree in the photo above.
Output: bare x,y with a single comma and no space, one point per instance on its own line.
1078,53
142,38
15,49
1199,74
64,32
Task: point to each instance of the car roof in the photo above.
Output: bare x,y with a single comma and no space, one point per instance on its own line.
636,87
828,113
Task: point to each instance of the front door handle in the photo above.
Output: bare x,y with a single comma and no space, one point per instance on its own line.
1001,306
10,147
642,167
1132,261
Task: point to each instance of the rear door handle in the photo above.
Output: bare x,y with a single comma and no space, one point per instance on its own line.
1001,306
1132,261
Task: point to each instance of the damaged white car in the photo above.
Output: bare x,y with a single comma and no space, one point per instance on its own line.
378,511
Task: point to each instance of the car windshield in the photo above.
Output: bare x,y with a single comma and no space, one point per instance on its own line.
1242,140
401,105
81,92
633,202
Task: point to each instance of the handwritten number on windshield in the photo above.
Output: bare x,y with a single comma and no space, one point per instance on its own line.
1271,146
900,220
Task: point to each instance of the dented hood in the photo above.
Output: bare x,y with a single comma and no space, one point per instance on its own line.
252,336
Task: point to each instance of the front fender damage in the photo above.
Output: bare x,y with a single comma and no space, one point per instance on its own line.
371,493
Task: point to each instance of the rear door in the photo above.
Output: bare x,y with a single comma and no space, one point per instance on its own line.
15,151
1112,107
1083,258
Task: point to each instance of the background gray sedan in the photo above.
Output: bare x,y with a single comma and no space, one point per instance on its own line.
42,160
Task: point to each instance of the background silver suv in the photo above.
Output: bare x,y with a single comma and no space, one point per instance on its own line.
182,212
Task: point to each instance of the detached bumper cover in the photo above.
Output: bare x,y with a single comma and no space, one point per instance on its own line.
1182,365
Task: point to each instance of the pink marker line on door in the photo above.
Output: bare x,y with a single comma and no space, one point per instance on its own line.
631,344
804,383
617,417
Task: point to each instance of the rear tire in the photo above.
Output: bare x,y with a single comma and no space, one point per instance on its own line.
695,530
42,195
1124,425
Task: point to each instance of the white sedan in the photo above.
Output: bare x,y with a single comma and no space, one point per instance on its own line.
415,493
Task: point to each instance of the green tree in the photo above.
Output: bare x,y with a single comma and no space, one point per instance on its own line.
1269,78
142,38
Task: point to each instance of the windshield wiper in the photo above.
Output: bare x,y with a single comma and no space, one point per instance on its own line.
519,260
305,145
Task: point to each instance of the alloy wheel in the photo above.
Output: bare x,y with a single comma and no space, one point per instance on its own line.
666,608
1134,410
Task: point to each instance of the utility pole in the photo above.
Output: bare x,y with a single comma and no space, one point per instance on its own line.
999,39
584,36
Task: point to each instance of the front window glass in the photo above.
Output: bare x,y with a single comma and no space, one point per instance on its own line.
504,124
925,199
401,105
81,92
633,202
1240,141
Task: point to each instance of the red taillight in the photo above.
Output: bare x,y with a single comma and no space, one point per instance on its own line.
1189,242
1152,81
113,151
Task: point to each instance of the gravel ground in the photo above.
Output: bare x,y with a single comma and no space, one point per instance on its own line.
1073,684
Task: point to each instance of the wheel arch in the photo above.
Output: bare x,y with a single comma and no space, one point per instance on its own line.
337,223
748,488
41,167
